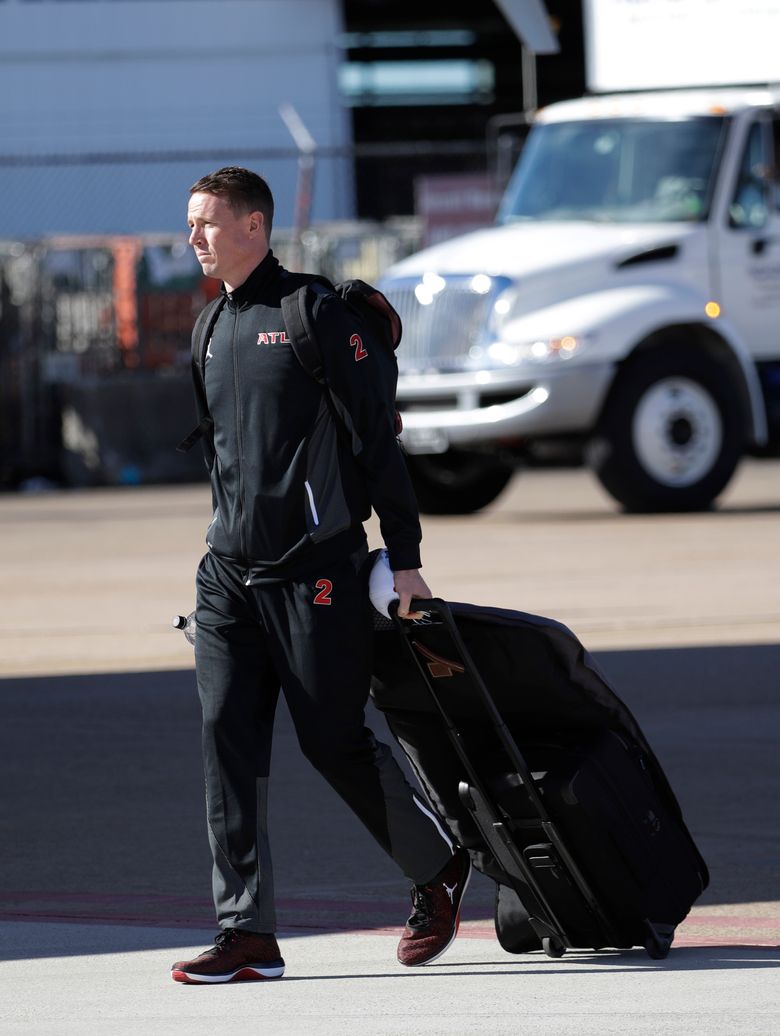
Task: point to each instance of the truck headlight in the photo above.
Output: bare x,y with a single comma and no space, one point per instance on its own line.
541,350
503,309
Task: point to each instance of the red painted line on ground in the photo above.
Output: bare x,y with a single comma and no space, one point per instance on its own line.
128,898
356,906
84,908
135,907
204,921
730,921
692,942
466,932
90,919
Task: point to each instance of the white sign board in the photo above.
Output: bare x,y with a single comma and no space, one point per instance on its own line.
652,44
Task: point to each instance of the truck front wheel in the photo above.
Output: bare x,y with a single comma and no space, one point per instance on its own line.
456,482
671,433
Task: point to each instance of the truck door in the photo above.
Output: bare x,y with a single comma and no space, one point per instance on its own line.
747,244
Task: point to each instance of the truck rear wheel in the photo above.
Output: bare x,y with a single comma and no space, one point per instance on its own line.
671,434
456,482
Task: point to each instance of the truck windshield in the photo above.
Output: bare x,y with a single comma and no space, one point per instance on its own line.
621,170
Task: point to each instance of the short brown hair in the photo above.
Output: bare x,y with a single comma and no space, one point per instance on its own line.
243,190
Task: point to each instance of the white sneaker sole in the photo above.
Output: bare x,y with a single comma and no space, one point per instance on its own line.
443,950
246,973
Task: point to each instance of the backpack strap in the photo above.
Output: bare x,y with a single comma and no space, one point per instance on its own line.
198,432
371,306
297,310
201,333
298,321
203,329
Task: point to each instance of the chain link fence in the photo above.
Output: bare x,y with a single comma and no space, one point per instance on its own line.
127,192
95,323
95,346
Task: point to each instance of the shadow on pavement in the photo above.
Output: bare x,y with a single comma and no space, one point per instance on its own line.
46,940
102,816
681,958
506,515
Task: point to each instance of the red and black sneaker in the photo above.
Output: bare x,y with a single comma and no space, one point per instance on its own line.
436,913
236,956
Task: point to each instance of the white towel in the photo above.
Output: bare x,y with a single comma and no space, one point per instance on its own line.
380,584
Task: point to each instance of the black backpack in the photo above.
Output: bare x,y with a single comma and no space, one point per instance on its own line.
368,307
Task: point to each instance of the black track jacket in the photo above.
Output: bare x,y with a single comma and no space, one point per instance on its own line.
289,488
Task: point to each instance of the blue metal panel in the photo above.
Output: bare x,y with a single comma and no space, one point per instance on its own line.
174,78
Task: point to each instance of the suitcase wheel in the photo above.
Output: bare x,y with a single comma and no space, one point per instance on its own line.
657,949
466,797
553,947
659,940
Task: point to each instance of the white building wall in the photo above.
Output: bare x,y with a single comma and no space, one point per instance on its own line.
176,88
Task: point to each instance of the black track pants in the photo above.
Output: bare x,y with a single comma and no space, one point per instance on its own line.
312,639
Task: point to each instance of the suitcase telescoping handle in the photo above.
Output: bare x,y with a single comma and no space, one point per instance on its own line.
438,610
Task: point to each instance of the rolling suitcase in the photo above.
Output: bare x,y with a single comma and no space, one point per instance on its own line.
541,771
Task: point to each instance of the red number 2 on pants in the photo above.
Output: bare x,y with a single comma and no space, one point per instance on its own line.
325,588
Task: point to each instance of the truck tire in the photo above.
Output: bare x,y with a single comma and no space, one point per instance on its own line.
456,482
671,434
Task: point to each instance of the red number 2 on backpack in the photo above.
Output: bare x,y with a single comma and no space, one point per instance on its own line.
356,343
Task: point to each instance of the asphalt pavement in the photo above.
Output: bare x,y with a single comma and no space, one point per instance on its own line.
105,868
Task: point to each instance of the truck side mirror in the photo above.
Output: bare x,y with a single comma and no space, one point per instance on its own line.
750,206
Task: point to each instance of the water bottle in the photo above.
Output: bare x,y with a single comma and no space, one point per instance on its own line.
187,624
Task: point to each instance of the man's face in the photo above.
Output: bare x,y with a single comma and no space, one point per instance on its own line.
228,245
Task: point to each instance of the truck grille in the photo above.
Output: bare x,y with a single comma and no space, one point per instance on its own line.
439,335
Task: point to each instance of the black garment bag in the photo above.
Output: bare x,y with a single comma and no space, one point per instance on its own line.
540,770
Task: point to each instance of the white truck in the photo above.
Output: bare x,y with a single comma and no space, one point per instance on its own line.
628,298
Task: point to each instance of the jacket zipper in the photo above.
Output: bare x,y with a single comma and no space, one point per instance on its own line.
239,437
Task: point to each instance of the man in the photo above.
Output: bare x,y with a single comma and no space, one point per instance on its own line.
281,603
